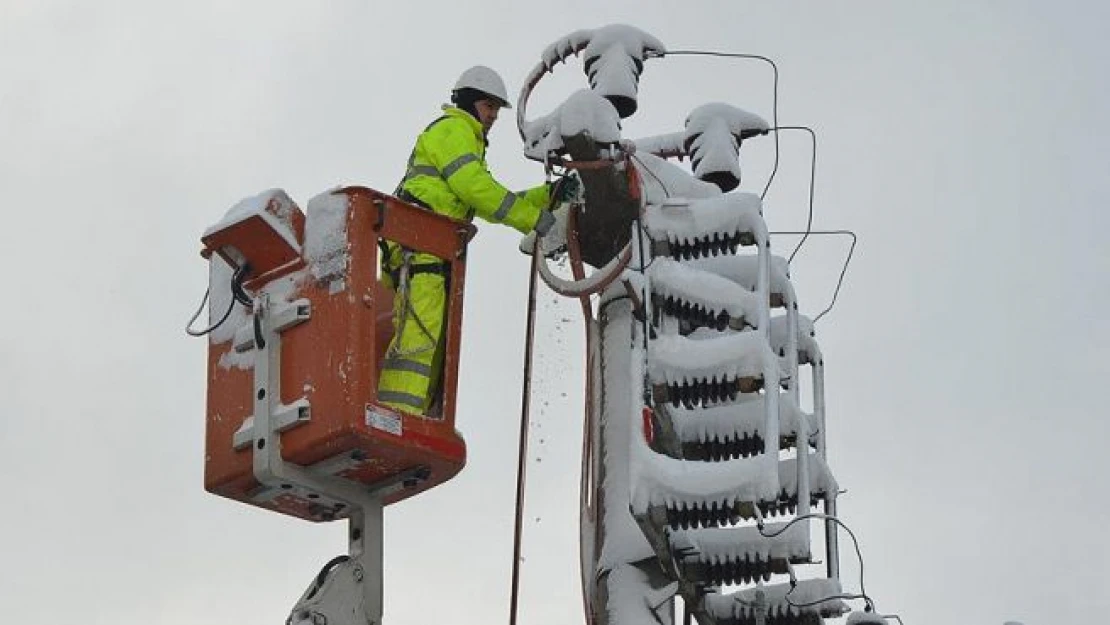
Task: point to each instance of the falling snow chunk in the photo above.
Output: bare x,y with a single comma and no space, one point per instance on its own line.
735,420
730,544
670,278
684,221
738,605
326,244
677,359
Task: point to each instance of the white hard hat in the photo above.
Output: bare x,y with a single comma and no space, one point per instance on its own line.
485,80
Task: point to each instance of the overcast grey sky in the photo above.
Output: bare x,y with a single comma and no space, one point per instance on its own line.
966,143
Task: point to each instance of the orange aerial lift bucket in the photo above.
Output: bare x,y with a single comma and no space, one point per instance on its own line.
306,353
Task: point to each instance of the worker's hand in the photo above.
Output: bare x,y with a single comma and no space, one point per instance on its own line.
566,188
552,232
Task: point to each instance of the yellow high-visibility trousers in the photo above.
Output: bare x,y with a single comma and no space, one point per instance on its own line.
413,362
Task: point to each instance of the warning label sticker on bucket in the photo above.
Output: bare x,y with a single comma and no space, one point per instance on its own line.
384,420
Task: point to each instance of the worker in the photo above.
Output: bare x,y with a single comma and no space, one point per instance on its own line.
447,174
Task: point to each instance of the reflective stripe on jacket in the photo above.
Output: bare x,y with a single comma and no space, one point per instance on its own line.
447,172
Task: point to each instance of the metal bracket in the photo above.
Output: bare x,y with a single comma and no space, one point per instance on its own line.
285,417
349,593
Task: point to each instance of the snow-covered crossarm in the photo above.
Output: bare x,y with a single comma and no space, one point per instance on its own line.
706,298
733,422
708,226
730,555
737,608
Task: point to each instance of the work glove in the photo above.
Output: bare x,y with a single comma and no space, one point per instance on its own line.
566,188
551,228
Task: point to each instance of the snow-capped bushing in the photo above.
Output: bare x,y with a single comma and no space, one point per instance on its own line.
614,59
583,113
712,138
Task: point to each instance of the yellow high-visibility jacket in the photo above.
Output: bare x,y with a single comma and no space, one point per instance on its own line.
447,172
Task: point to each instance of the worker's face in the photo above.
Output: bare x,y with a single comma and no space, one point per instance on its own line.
487,113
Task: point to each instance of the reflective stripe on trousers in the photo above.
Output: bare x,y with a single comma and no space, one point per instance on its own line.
414,361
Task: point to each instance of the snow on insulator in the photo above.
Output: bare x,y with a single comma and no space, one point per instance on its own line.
683,222
326,246
737,419
274,206
660,180
613,60
737,606
724,544
821,479
584,112
678,359
744,270
712,293
808,349
658,480
712,139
